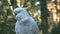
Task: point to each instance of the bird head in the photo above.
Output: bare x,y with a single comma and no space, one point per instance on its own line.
19,12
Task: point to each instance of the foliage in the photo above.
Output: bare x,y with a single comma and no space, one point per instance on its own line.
7,21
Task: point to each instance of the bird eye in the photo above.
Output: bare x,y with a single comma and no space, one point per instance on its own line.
18,11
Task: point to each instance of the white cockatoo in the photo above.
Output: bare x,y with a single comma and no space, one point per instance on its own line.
25,23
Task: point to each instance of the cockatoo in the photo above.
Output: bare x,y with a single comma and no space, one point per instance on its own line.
25,24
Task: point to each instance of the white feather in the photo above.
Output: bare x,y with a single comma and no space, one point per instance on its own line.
25,23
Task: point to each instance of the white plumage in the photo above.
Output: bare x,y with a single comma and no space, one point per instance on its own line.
25,23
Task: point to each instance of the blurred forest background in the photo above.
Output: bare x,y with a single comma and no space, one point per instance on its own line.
45,12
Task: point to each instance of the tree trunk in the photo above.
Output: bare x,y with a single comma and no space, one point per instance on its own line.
44,16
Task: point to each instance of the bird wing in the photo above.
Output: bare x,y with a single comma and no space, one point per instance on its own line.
35,29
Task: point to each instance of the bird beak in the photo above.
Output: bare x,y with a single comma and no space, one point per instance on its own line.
14,14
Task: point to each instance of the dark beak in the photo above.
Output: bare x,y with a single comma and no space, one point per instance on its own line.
15,14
